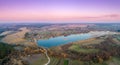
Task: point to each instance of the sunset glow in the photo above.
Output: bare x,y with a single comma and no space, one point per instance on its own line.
60,10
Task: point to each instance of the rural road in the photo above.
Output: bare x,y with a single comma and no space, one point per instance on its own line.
47,57
45,53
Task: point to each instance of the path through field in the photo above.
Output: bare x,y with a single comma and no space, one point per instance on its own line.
35,40
47,57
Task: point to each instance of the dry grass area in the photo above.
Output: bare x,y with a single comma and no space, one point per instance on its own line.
38,60
89,41
18,37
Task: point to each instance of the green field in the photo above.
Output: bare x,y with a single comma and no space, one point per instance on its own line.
77,48
63,61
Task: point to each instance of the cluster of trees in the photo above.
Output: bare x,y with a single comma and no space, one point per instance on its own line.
13,56
5,50
33,50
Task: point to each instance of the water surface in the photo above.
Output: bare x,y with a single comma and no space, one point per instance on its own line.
56,41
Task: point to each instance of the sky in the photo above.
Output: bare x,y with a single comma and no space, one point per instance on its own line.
59,11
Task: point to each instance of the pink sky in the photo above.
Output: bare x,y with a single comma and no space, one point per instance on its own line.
59,10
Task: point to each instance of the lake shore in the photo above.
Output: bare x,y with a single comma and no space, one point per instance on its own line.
61,40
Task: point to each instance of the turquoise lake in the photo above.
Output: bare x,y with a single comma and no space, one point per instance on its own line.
56,41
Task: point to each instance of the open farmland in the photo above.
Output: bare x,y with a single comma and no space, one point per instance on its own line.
78,48
17,38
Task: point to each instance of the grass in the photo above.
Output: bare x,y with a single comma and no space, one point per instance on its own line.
64,61
89,41
41,61
77,48
54,61
75,62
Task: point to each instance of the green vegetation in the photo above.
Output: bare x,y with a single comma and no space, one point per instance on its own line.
75,62
66,62
97,51
77,48
90,52
5,49
55,61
